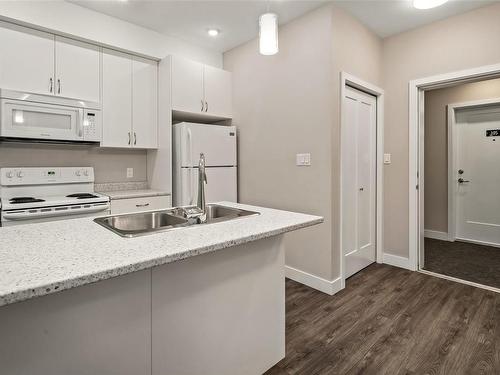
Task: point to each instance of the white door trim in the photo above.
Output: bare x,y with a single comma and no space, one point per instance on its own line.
452,158
347,79
416,134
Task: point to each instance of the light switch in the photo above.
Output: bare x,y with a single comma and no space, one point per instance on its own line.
303,159
130,172
387,158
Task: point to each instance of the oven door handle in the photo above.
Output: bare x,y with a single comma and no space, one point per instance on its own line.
26,215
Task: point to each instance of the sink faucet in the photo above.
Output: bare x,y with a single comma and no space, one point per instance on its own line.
202,180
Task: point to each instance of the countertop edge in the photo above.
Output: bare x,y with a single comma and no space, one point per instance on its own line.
43,290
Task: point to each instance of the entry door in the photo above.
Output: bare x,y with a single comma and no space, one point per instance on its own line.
477,175
358,180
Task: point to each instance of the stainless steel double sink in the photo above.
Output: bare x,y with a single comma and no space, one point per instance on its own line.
139,224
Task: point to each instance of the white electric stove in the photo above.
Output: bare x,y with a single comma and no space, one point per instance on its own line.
31,195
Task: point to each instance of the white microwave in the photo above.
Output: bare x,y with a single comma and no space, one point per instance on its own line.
25,116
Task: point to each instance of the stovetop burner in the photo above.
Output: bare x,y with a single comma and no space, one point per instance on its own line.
19,200
82,196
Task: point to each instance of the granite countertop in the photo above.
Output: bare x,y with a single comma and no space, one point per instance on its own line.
127,194
44,258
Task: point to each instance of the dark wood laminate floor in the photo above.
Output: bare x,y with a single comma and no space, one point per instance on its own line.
391,321
466,261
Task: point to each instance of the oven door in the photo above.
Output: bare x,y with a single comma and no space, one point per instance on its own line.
23,119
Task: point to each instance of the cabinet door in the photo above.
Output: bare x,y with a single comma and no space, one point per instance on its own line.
187,85
145,103
26,60
217,84
77,70
116,99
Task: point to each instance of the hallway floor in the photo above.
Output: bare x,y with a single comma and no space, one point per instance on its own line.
466,261
391,321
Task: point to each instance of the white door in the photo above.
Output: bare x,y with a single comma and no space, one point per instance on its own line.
116,99
477,175
145,103
26,60
77,70
221,185
217,85
217,143
187,86
358,180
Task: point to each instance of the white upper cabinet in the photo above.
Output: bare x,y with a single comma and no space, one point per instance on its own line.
129,101
200,90
26,60
116,99
187,86
77,70
217,85
145,103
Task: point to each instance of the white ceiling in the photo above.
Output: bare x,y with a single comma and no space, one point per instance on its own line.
389,17
237,19
189,20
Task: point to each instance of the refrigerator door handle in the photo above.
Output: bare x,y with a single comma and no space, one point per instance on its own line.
190,153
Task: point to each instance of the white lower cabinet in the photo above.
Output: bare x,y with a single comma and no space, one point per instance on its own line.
130,205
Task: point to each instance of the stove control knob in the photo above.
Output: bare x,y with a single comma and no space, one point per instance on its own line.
10,174
20,174
78,173
85,172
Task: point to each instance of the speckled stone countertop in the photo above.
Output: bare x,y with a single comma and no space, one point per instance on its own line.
127,194
44,258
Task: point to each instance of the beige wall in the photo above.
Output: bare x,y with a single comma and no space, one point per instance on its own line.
460,42
288,104
436,140
110,165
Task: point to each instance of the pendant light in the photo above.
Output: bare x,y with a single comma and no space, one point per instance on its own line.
268,34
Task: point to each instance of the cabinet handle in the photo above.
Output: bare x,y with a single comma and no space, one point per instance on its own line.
135,138
142,205
51,84
59,86
129,138
202,106
206,106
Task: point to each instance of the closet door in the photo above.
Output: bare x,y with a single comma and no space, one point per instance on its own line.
26,60
358,180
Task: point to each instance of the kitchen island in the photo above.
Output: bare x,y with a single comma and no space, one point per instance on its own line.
206,299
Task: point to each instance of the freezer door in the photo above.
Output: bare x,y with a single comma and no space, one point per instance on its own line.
221,185
217,142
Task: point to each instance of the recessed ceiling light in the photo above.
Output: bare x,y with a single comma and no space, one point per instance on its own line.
213,32
428,4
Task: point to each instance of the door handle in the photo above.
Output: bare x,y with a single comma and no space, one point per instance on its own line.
51,84
129,140
142,205
202,106
462,181
135,138
206,106
59,86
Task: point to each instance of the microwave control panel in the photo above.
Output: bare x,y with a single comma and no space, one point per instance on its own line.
92,126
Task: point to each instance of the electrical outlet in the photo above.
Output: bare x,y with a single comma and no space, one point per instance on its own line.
303,159
130,172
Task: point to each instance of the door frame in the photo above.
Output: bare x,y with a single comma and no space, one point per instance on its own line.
452,157
347,79
416,185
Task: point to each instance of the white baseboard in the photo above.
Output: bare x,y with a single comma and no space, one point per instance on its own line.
397,261
315,282
435,234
